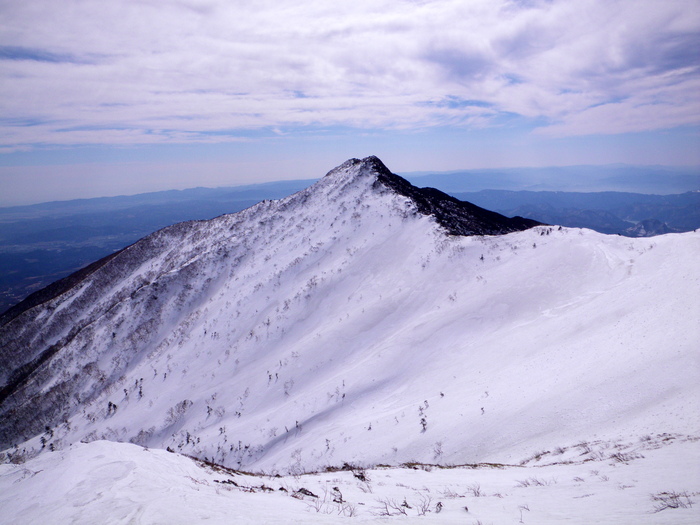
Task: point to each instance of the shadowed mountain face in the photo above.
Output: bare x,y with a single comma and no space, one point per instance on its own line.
281,336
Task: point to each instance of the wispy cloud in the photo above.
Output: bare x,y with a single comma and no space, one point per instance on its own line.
131,72
37,55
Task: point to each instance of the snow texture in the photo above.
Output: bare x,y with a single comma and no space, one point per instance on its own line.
351,324
112,483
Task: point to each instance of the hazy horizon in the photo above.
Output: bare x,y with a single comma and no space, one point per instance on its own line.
130,97
12,199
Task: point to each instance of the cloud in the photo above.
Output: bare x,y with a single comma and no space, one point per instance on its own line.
132,72
38,55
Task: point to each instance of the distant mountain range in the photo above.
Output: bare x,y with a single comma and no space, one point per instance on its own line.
42,243
661,180
630,214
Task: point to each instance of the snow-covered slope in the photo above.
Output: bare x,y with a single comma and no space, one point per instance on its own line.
114,483
348,323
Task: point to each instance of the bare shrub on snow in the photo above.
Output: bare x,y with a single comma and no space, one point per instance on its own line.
671,500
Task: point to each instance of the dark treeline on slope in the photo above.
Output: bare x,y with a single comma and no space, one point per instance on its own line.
42,243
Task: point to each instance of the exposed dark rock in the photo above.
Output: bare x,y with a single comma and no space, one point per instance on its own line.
455,216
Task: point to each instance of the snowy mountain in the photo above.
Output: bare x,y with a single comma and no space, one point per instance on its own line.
90,338
363,321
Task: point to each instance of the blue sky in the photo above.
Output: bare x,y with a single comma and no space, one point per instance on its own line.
120,97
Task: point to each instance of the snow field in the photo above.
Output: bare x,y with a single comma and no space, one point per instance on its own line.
111,483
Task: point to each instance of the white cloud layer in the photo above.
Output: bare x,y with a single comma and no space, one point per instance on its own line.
158,71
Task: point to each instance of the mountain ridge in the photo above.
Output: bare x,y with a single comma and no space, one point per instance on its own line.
41,244
455,216
287,335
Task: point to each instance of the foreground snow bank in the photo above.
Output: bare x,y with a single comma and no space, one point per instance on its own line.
651,481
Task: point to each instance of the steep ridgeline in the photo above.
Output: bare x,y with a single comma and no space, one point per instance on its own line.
455,216
361,310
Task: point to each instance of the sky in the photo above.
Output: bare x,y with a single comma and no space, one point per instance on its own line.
126,96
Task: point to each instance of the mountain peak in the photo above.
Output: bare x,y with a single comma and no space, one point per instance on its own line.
367,165
353,169
455,216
